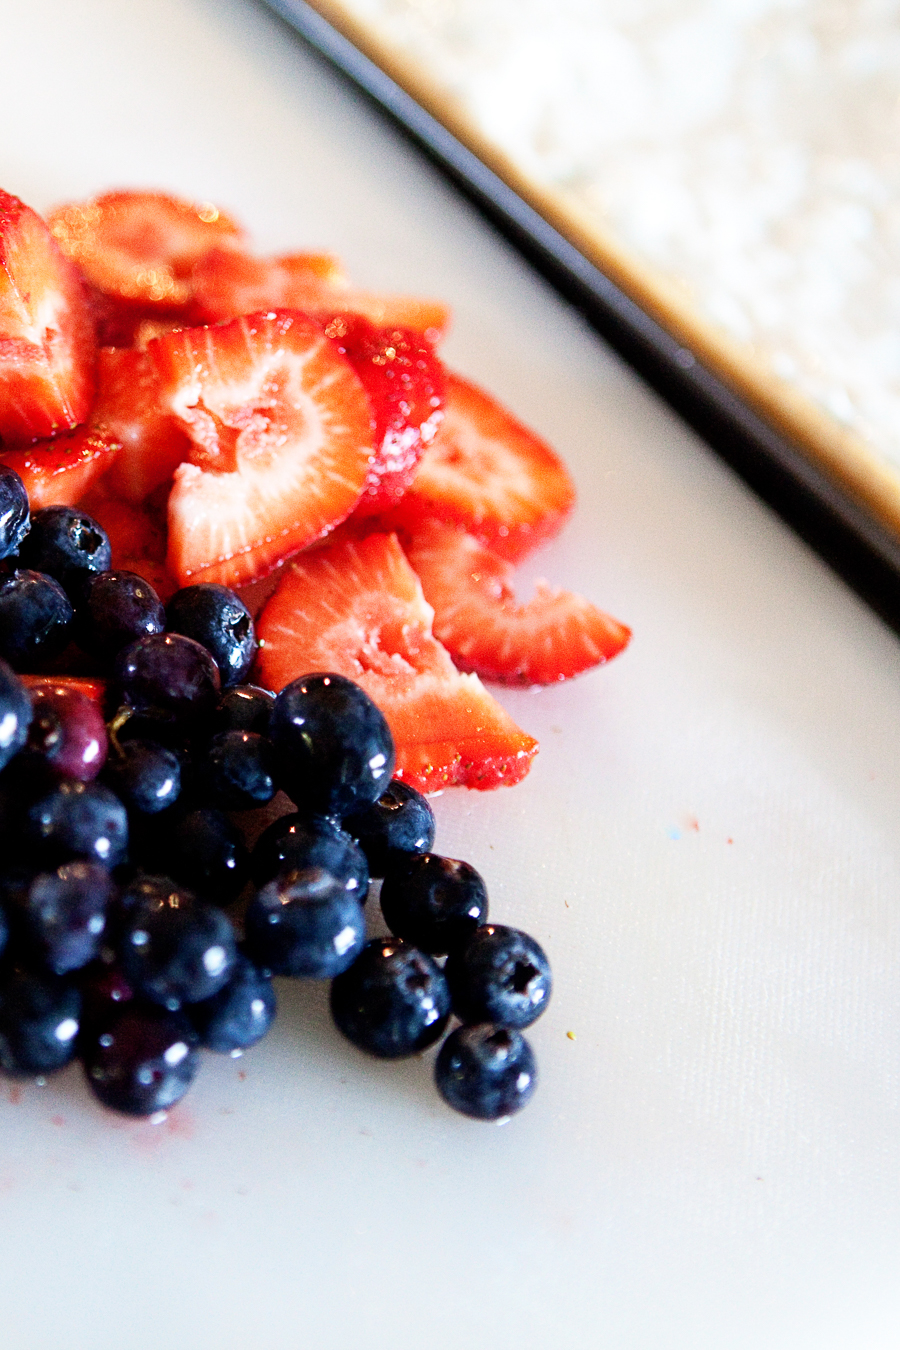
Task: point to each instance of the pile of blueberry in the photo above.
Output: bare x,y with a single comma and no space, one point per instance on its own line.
135,924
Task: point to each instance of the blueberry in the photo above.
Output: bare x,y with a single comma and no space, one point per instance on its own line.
174,948
118,609
436,903
140,1059
485,1071
501,976
104,989
239,770
294,841
393,1001
304,923
144,775
401,821
206,852
14,518
334,745
67,737
63,915
78,820
68,545
35,619
15,714
169,676
240,1014
244,707
39,1020
214,616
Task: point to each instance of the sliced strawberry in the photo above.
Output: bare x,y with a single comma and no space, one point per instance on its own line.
141,247
129,405
553,637
281,441
227,284
58,472
357,608
488,473
47,343
406,385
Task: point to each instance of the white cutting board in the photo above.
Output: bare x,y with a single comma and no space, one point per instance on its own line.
707,846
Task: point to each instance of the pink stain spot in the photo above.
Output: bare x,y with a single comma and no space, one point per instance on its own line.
57,1120
693,823
187,1185
729,840
15,1094
181,1123
242,1075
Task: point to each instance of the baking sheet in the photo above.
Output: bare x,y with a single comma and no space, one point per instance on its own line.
707,846
725,388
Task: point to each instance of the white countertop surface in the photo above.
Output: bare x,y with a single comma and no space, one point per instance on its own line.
707,846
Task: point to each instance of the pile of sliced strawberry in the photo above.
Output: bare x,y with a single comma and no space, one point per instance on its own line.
222,414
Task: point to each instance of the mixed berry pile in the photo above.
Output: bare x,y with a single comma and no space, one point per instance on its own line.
218,468
138,927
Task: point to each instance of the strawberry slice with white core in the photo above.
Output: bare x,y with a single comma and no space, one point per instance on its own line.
356,608
556,635
489,473
58,472
141,247
129,406
47,343
281,441
228,283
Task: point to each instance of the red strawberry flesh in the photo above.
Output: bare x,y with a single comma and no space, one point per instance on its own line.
556,635
47,342
489,473
356,608
281,442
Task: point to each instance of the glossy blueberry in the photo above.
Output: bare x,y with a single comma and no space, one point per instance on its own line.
174,948
296,841
501,976
35,619
240,1014
104,989
435,903
78,820
15,714
144,775
334,745
68,545
141,1059
207,853
67,737
485,1071
14,518
214,616
62,915
244,707
170,677
118,609
239,770
39,1020
304,923
393,1001
401,821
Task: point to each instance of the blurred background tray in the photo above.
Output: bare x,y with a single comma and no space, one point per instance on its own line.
430,67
